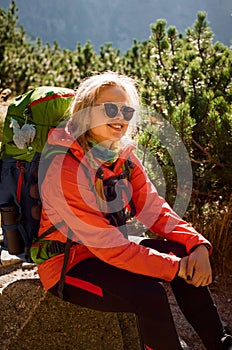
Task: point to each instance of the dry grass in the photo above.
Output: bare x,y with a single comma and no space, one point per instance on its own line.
216,225
219,231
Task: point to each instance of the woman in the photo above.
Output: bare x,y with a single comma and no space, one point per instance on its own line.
86,197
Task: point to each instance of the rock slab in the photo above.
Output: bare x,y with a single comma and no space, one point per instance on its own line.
31,318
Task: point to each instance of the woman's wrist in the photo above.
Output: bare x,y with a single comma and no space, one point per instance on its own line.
206,245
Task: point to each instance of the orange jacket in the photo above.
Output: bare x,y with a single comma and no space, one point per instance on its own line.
68,195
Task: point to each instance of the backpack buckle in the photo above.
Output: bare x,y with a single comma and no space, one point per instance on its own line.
20,164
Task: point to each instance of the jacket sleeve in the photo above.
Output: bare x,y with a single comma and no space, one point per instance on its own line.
67,195
155,213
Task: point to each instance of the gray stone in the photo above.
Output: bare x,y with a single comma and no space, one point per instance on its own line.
34,319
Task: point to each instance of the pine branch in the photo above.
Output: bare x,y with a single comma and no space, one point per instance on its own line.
207,153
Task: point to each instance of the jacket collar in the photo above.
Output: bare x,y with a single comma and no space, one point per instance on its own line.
61,137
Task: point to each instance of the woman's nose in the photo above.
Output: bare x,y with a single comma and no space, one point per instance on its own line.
119,115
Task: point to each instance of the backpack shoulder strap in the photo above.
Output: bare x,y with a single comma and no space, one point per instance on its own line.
127,166
52,229
65,263
51,153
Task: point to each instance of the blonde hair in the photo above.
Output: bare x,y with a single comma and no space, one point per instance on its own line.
86,94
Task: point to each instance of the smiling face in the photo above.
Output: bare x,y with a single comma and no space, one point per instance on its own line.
103,128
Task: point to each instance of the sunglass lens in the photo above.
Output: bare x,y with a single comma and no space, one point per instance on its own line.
111,109
127,112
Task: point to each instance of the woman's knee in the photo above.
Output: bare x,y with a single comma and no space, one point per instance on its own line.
151,298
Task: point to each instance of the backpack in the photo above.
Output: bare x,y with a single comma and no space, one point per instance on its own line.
28,120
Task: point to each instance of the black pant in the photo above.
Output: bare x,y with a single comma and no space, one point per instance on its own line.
115,290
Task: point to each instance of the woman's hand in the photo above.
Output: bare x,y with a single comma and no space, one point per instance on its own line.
195,268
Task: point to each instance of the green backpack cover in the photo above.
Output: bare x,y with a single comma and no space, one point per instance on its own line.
43,108
33,113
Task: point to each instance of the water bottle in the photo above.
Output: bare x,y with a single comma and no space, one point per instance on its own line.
14,239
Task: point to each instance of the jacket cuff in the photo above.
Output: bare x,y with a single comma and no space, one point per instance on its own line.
207,245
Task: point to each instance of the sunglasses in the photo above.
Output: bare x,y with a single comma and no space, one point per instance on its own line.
112,110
